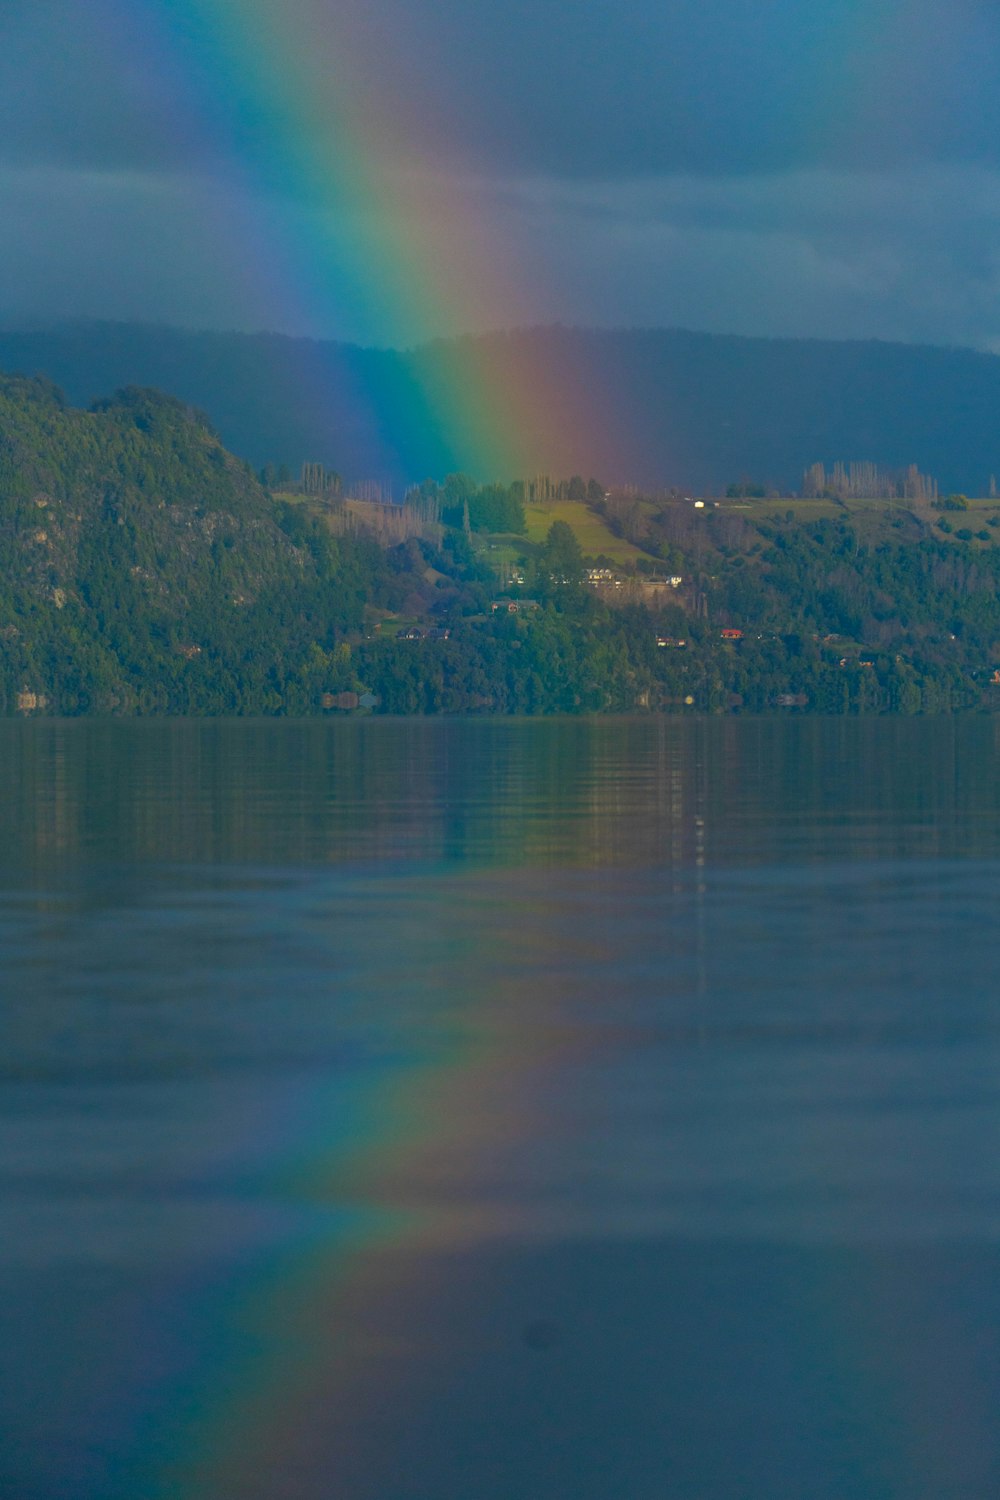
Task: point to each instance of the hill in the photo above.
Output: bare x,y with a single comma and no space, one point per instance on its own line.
662,407
144,569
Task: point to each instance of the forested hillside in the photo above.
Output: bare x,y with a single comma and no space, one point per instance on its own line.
144,569
142,566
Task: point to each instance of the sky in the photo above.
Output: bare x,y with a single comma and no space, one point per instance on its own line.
390,170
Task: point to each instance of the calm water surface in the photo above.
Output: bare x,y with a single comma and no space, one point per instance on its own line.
500,1111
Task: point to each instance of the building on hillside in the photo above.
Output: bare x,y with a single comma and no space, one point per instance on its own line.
513,606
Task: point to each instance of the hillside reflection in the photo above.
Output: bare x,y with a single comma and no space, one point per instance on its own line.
495,793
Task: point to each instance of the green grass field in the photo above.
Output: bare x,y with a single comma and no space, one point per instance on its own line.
883,519
591,532
804,510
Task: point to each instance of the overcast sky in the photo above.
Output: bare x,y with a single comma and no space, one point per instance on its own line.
805,167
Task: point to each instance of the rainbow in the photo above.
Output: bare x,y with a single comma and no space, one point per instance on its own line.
287,92
302,106
385,1168
257,1418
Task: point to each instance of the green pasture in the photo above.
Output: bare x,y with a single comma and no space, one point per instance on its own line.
501,547
804,510
591,531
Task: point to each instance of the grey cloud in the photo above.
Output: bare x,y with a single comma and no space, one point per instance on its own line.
120,245
584,88
75,90
712,163
906,255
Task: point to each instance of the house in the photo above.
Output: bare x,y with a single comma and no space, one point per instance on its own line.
513,606
732,635
411,633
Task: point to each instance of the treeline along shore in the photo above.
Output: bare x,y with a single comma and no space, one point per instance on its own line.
145,570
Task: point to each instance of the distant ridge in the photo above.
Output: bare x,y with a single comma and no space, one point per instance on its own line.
691,409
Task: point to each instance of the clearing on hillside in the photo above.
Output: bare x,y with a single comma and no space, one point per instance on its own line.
592,532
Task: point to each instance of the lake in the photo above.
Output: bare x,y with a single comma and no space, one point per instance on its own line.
489,1110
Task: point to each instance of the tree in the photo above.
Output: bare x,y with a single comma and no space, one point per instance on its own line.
496,508
458,488
561,560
